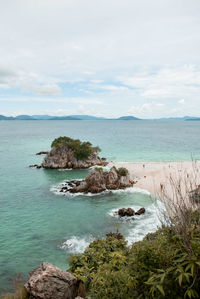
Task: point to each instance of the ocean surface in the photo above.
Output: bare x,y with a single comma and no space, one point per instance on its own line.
38,225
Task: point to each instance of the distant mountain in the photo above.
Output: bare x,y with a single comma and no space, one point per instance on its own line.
88,117
64,118
128,118
24,117
193,119
2,117
42,117
179,118
68,117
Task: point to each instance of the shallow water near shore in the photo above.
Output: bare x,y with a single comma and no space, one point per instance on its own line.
38,225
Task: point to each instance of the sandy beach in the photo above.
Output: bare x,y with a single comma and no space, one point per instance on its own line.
155,176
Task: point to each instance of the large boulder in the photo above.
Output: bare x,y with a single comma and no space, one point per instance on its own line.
62,157
126,212
96,181
49,282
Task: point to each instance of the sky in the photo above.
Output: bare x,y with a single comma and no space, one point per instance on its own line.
100,57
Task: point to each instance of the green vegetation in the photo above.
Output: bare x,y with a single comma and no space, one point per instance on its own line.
82,150
122,171
166,264
98,168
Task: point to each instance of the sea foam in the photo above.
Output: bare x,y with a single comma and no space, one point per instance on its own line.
56,190
76,244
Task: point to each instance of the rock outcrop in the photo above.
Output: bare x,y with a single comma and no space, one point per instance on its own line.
98,181
49,282
140,211
42,153
62,157
130,212
126,212
35,166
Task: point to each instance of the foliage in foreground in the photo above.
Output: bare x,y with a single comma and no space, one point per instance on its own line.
82,150
160,266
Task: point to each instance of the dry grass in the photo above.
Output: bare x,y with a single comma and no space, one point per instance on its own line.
181,206
18,286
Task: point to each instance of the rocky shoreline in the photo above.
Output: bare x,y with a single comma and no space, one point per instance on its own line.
98,181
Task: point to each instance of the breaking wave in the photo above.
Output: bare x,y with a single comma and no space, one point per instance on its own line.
75,244
56,190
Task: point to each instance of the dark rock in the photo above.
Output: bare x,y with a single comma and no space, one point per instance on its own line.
49,282
35,166
112,187
140,211
42,153
126,212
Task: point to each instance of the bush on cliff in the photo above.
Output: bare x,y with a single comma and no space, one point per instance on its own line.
160,266
122,171
82,150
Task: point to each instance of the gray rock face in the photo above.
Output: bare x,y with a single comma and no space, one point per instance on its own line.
98,181
63,157
49,282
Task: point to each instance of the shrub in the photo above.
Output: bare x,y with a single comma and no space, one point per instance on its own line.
122,171
157,267
82,150
99,168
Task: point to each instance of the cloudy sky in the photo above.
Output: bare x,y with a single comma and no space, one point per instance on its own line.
101,57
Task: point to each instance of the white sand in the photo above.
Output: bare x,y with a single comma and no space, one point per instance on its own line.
154,176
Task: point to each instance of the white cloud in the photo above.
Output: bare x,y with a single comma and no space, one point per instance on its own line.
151,46
110,87
96,81
167,82
146,108
182,101
75,100
46,90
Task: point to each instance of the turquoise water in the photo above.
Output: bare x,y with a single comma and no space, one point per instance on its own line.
38,225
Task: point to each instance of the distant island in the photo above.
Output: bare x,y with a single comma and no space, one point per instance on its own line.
90,117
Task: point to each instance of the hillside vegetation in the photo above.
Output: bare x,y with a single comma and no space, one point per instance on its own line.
82,150
163,265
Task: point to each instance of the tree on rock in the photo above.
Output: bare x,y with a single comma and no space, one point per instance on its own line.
82,150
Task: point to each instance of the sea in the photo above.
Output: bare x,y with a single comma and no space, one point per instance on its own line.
37,224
